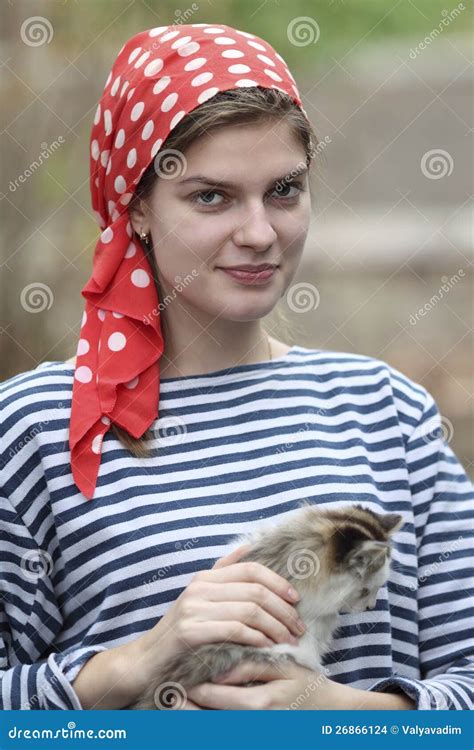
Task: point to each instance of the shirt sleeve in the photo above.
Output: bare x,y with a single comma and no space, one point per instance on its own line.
443,504
33,675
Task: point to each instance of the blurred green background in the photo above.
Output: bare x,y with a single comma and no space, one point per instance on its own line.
388,87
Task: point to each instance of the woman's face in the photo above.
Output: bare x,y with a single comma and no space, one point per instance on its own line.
197,229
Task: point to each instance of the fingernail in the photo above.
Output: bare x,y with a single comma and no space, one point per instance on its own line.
293,594
300,625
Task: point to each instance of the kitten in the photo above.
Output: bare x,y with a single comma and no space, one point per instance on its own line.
336,559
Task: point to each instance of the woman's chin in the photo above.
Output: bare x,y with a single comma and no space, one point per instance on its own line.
242,312
248,302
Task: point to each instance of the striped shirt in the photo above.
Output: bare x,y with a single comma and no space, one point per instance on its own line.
232,449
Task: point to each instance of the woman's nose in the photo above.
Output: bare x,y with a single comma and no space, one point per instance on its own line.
255,229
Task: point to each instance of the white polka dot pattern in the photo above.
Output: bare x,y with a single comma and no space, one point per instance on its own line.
195,63
83,347
83,374
116,342
137,110
148,130
140,278
96,444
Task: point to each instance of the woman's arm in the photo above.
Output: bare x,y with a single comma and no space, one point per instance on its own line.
30,620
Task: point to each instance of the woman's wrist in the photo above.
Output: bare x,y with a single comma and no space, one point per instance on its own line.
344,697
110,679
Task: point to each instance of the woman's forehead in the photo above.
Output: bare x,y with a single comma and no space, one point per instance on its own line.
268,144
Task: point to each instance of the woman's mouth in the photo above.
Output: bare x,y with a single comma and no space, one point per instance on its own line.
250,278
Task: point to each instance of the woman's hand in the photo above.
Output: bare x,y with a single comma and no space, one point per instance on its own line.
242,602
286,686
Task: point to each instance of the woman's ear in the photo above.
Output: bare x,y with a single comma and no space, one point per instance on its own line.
138,212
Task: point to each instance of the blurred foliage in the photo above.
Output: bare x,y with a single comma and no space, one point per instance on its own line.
343,24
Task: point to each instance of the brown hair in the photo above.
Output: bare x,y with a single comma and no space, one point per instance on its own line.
241,106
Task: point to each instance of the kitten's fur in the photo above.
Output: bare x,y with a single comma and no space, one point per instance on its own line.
336,559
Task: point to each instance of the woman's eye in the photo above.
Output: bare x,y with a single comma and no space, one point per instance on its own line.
205,194
281,190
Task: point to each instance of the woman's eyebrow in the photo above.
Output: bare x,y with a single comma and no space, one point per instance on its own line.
292,174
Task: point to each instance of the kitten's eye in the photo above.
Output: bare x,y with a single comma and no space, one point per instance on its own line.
364,592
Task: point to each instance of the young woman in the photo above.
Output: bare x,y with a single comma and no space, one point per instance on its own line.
180,423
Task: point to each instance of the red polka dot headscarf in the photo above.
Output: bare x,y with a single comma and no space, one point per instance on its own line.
159,76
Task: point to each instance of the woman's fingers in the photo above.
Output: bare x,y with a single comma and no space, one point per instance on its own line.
250,671
231,558
266,599
252,572
254,617
216,631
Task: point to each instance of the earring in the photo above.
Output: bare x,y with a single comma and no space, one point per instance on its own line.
144,236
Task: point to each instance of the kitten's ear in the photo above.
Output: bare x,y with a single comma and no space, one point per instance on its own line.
391,522
372,554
